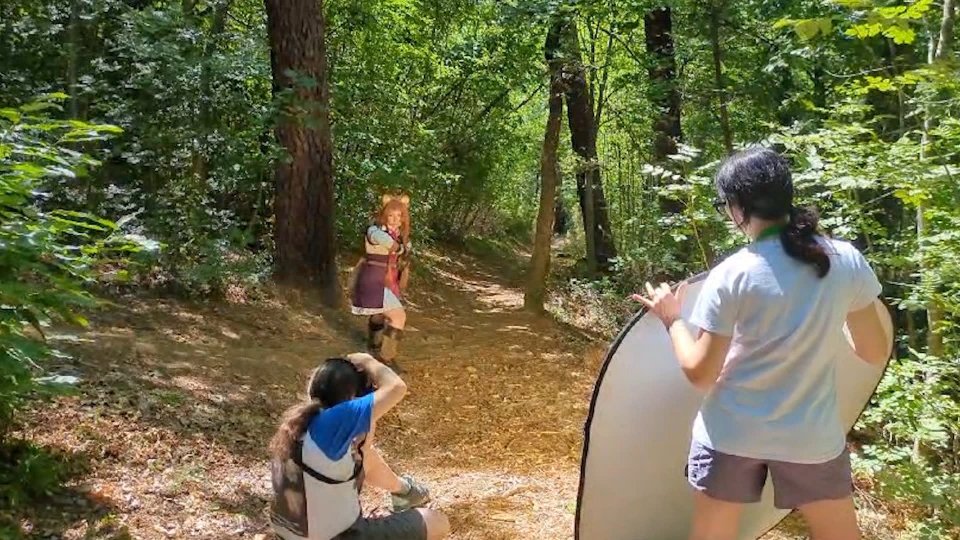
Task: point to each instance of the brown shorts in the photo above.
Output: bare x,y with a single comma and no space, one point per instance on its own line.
739,479
406,525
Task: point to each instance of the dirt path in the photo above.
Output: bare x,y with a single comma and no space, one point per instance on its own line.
166,437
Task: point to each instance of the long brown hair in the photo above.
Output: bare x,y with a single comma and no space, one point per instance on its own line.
401,203
336,380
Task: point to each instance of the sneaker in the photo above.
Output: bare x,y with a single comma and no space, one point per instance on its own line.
417,496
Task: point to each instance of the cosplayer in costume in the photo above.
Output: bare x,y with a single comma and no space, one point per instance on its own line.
381,277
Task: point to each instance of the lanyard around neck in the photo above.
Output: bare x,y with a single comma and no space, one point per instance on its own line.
773,230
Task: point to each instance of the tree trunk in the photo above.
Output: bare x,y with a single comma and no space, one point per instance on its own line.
946,29
304,232
201,153
73,58
658,28
716,12
583,138
535,294
560,218
819,91
664,95
939,48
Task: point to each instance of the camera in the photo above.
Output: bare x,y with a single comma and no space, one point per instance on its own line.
366,385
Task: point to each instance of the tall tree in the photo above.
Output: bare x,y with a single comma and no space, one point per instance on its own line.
535,293
939,50
601,249
664,94
304,231
716,14
201,154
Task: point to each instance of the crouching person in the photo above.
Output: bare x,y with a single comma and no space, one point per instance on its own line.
322,454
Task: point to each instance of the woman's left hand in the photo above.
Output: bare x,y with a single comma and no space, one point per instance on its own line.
663,302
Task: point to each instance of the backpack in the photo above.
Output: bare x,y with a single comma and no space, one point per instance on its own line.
289,507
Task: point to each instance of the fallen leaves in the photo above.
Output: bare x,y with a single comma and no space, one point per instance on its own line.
179,401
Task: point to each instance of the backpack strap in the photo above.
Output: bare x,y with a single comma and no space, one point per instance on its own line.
316,475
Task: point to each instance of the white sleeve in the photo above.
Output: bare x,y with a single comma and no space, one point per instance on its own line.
379,237
866,287
717,304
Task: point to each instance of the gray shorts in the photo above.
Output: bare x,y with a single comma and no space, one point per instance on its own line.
741,480
406,525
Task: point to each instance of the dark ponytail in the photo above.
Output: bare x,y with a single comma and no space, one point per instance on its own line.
799,239
758,181
335,381
294,422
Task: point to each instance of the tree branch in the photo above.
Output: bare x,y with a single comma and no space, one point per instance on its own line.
603,83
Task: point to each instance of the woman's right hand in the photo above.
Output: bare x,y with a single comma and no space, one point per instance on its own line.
663,302
389,387
363,361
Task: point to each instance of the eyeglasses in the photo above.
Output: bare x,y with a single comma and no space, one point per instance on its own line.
719,205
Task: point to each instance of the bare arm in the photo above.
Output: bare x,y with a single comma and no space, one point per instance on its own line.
377,473
701,359
868,334
389,387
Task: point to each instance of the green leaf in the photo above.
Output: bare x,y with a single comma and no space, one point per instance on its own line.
881,84
863,31
918,9
10,114
853,4
807,29
900,33
892,12
781,23
108,128
55,96
826,25
37,106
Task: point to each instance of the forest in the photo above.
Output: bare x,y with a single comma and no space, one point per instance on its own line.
170,165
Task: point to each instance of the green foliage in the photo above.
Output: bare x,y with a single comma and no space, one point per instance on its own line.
445,129
48,257
191,91
28,474
917,405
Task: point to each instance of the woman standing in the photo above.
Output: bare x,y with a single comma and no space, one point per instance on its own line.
382,276
770,331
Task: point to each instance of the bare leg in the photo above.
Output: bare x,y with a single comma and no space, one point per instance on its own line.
714,519
832,519
438,526
378,474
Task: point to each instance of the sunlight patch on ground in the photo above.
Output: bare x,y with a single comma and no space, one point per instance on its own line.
488,293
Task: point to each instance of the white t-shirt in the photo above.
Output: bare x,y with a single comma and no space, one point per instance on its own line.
775,398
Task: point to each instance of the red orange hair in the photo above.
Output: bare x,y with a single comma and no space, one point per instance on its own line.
401,203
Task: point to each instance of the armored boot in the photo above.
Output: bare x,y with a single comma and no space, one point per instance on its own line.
376,325
390,346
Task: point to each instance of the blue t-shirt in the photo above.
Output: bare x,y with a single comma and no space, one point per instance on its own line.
776,398
334,429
